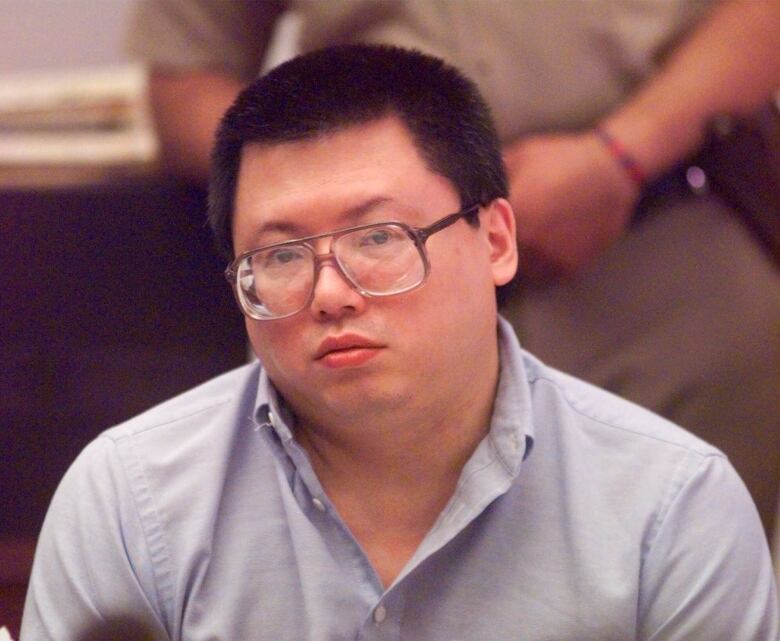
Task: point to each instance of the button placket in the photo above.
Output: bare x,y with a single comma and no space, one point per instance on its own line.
383,620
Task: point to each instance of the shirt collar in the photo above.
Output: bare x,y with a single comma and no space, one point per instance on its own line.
271,411
511,426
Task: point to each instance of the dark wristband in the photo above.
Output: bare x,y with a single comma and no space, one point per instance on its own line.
624,159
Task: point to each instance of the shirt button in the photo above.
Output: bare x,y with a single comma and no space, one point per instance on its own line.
380,613
318,504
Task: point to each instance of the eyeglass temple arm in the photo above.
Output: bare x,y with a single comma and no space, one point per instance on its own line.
426,232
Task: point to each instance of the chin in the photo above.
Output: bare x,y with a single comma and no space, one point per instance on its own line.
360,395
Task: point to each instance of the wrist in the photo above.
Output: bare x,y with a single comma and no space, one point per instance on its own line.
628,164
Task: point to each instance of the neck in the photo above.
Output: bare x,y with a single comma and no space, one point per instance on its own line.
391,474
395,449
391,477
376,454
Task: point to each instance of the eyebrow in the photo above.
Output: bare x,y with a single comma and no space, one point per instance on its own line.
349,216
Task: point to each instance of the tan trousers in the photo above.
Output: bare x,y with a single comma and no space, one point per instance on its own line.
681,316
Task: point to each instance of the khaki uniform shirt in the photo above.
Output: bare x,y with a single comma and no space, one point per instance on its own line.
541,65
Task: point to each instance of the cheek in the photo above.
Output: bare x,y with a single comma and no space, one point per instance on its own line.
274,346
462,273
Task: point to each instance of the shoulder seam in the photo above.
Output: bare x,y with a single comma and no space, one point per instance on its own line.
168,420
676,486
715,453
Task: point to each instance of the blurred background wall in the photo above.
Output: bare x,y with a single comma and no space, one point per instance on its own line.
51,34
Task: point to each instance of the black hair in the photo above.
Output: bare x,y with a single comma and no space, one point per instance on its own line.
332,88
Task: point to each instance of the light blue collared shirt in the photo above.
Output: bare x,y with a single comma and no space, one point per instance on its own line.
579,517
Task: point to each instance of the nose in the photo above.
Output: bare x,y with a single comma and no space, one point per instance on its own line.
333,295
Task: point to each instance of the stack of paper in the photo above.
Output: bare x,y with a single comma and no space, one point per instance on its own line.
76,118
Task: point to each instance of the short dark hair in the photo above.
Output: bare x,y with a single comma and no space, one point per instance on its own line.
332,88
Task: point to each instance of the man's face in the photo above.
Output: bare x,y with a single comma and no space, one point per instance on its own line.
346,354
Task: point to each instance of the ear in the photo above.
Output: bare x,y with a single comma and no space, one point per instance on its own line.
498,220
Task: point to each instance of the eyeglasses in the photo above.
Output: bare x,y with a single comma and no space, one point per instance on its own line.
380,259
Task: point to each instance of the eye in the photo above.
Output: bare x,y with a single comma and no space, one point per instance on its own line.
376,237
282,257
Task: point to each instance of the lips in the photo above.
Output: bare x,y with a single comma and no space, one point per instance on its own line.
346,350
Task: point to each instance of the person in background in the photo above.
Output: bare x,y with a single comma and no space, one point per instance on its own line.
628,279
395,465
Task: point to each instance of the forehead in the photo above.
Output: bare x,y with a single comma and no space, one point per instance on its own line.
361,173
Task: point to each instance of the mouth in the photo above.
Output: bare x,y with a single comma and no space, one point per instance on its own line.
349,350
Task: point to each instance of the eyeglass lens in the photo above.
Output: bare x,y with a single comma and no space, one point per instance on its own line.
379,260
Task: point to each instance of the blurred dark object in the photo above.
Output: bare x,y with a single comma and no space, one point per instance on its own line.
15,563
119,629
741,164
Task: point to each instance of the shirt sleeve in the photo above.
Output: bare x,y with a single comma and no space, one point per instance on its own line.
707,573
227,35
93,576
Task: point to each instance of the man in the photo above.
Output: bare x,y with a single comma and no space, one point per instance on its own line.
397,467
657,293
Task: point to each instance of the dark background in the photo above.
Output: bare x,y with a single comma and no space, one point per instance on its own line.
111,300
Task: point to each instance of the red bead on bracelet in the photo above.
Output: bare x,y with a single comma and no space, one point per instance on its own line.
625,159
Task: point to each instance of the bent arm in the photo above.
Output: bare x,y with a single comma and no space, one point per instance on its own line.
571,197
729,64
199,54
187,107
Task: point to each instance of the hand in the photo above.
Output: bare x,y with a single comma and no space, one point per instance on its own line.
571,200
